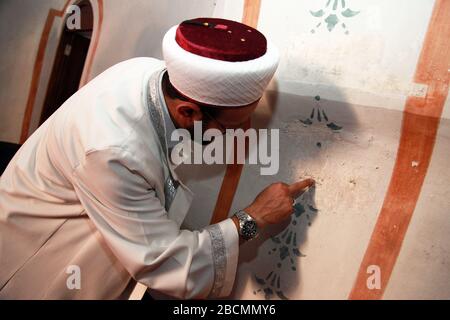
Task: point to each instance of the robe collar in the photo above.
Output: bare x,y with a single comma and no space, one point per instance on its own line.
163,127
170,126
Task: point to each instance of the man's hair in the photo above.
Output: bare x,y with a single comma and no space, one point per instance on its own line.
171,91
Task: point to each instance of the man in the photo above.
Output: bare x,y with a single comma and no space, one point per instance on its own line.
92,203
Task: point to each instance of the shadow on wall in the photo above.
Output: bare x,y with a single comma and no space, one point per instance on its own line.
142,39
309,127
272,260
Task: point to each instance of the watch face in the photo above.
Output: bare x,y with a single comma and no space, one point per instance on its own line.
249,229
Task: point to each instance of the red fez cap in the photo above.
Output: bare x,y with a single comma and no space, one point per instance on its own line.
219,62
221,39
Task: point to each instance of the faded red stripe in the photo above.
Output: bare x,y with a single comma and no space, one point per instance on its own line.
418,135
233,172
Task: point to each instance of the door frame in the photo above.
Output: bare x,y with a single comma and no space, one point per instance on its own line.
37,86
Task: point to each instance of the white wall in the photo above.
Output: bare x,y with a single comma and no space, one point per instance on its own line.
130,29
136,28
363,78
372,65
21,22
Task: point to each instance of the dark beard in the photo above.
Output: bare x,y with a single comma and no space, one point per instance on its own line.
204,128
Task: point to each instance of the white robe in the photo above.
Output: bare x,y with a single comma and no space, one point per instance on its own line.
87,190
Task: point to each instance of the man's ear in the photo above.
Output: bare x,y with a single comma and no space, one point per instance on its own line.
186,113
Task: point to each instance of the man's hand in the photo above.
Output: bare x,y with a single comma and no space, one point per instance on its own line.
275,203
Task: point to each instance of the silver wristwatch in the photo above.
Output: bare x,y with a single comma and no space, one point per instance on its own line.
248,229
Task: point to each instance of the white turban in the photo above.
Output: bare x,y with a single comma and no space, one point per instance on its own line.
218,82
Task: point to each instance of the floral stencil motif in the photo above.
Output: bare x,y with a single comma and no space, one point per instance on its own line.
333,14
285,247
318,112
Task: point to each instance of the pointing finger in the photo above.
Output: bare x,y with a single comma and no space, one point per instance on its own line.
297,188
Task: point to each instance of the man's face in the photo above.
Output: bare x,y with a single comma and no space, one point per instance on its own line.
184,113
222,118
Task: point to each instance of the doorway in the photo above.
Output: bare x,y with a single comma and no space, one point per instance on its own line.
69,61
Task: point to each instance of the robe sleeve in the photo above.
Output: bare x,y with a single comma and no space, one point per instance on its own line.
125,209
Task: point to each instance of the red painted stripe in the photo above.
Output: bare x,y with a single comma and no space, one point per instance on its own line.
229,186
233,172
250,15
227,191
418,135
